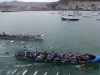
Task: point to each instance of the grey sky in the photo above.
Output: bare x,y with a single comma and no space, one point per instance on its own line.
31,0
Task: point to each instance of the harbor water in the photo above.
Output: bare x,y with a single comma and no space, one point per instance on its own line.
81,36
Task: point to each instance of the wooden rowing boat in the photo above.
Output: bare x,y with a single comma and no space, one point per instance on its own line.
21,37
46,59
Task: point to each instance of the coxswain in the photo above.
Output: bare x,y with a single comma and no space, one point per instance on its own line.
25,51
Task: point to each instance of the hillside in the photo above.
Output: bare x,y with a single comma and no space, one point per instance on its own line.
76,0
17,3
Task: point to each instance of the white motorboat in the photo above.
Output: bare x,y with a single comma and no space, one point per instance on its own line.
69,18
52,12
78,13
88,16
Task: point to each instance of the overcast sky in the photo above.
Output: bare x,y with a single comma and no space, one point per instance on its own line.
31,0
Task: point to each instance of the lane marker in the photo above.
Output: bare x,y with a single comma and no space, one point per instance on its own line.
35,73
14,71
24,72
45,73
57,73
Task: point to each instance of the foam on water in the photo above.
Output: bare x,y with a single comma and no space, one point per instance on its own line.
18,73
51,47
22,42
7,56
12,41
9,72
31,49
23,65
79,65
2,45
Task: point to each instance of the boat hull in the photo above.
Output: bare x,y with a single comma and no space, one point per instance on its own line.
20,56
37,37
46,61
69,19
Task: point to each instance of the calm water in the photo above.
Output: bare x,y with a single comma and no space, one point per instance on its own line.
82,36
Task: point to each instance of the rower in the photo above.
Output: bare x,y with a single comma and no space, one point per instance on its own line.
87,57
69,57
77,57
35,54
60,56
25,51
51,55
69,54
45,55
42,56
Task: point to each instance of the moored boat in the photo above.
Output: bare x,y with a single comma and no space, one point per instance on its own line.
69,18
78,13
88,15
98,18
19,36
58,57
52,12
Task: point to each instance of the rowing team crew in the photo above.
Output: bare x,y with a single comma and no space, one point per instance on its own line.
19,36
58,57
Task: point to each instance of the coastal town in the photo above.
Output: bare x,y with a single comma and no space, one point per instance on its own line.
72,5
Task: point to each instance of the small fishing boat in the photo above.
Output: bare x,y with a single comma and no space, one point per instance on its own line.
58,57
94,13
19,36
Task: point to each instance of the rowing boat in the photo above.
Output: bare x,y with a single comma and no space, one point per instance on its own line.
21,37
64,59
